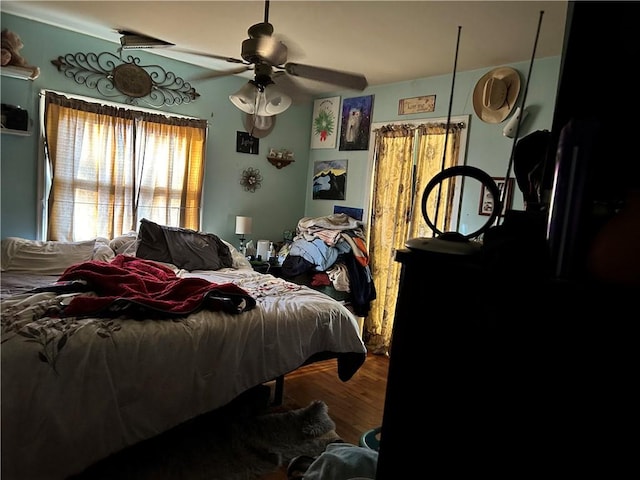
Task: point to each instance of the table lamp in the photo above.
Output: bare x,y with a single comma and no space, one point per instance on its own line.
243,227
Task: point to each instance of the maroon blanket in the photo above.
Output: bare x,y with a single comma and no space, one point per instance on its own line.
145,289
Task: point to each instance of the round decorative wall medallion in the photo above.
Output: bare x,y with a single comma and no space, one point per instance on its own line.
251,179
132,80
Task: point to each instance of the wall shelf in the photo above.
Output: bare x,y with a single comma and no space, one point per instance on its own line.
280,162
11,131
21,73
17,132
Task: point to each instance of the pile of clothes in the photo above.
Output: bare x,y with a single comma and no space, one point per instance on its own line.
331,251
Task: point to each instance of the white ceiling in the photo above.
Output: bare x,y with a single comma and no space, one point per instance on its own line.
388,41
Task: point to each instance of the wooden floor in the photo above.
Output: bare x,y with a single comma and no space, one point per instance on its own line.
355,406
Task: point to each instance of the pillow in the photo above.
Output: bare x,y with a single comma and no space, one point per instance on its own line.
124,244
239,260
182,247
102,251
45,257
151,242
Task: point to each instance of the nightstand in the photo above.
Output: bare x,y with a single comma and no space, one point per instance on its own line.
266,267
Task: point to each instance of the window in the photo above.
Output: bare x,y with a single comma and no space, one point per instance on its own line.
404,157
109,166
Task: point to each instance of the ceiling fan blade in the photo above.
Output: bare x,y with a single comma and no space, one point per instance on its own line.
216,74
207,55
292,87
294,50
349,80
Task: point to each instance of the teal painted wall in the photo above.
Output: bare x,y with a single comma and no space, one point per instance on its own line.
487,148
286,193
275,207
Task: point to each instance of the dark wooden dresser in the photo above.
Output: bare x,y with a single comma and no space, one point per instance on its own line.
497,373
453,386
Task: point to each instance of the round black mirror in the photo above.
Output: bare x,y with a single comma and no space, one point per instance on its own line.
465,171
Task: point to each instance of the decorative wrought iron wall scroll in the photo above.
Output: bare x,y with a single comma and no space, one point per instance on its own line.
114,76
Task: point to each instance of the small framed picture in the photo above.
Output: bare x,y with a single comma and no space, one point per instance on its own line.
246,143
486,199
422,104
353,212
324,130
329,179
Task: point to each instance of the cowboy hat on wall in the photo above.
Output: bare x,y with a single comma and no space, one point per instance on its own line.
496,93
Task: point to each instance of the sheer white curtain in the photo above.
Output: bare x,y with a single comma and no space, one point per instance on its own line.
108,167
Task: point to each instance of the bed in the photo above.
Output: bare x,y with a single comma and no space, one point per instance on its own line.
77,388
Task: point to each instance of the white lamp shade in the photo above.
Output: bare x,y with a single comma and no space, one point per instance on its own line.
245,98
262,123
243,225
275,101
271,101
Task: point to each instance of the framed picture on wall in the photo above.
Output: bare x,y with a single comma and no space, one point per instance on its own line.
324,128
246,143
329,180
356,123
407,106
353,212
486,200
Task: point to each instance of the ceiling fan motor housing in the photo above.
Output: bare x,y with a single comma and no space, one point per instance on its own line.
264,49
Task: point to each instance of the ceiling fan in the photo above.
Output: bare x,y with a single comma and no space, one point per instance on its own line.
267,57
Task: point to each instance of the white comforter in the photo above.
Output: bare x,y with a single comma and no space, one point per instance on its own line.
77,390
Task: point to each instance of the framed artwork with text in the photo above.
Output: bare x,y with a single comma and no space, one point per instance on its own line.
245,143
324,128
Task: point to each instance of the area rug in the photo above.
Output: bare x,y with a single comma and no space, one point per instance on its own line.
223,446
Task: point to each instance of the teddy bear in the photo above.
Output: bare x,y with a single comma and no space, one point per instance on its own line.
10,52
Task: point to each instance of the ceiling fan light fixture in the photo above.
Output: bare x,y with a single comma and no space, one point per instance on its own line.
275,101
261,100
262,123
245,98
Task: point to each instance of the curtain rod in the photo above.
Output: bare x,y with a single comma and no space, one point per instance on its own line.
443,125
392,126
108,103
